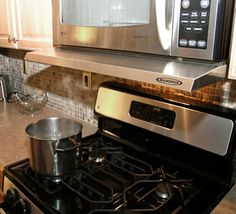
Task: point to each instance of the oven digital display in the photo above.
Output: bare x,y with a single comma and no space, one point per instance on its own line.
153,114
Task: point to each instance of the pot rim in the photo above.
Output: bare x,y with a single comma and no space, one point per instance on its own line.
30,126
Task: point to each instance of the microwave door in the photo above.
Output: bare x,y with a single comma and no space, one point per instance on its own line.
127,25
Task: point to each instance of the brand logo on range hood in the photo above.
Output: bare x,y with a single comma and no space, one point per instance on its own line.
169,81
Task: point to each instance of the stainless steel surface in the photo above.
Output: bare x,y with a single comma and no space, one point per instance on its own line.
205,131
183,75
4,88
158,36
8,185
207,53
232,64
141,38
53,144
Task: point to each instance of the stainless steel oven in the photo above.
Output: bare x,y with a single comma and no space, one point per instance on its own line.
149,155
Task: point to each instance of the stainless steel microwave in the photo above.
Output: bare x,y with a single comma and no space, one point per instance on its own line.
198,29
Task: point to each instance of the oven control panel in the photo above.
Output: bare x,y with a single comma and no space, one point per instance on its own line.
194,20
152,114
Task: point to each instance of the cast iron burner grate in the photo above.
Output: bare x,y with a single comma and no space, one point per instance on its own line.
109,180
122,183
154,193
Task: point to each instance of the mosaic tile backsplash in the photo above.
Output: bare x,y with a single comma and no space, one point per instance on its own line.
66,92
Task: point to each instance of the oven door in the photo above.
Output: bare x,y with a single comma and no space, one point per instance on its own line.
128,25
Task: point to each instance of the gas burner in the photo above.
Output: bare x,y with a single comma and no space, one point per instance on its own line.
164,190
49,184
96,151
97,155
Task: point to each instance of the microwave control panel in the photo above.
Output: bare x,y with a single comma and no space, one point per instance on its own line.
194,22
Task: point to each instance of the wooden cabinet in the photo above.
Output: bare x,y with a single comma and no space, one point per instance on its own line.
232,62
7,18
25,24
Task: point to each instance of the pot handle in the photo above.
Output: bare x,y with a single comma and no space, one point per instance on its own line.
76,145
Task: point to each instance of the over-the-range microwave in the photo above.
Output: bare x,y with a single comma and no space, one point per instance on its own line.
198,29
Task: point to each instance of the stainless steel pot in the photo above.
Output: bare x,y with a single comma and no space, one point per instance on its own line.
53,145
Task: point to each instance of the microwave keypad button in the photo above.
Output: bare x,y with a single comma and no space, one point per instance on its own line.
194,21
198,29
185,4
204,3
204,14
183,42
203,21
188,28
184,21
185,14
192,43
194,14
201,44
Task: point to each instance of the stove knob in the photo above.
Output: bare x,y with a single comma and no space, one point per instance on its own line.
24,206
15,204
11,196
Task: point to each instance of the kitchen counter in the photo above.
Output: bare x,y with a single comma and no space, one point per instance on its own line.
13,141
228,204
13,138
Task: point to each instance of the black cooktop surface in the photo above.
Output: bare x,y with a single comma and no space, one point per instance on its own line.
111,178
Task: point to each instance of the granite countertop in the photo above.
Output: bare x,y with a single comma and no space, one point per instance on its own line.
13,138
13,142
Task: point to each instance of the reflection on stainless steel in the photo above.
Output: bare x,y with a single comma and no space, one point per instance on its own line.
155,27
184,128
191,75
159,32
53,145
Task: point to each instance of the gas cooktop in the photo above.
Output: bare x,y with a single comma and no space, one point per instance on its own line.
149,155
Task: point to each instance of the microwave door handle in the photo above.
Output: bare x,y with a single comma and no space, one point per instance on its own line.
164,33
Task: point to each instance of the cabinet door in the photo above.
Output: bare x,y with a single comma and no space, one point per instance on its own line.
232,64
34,21
7,24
